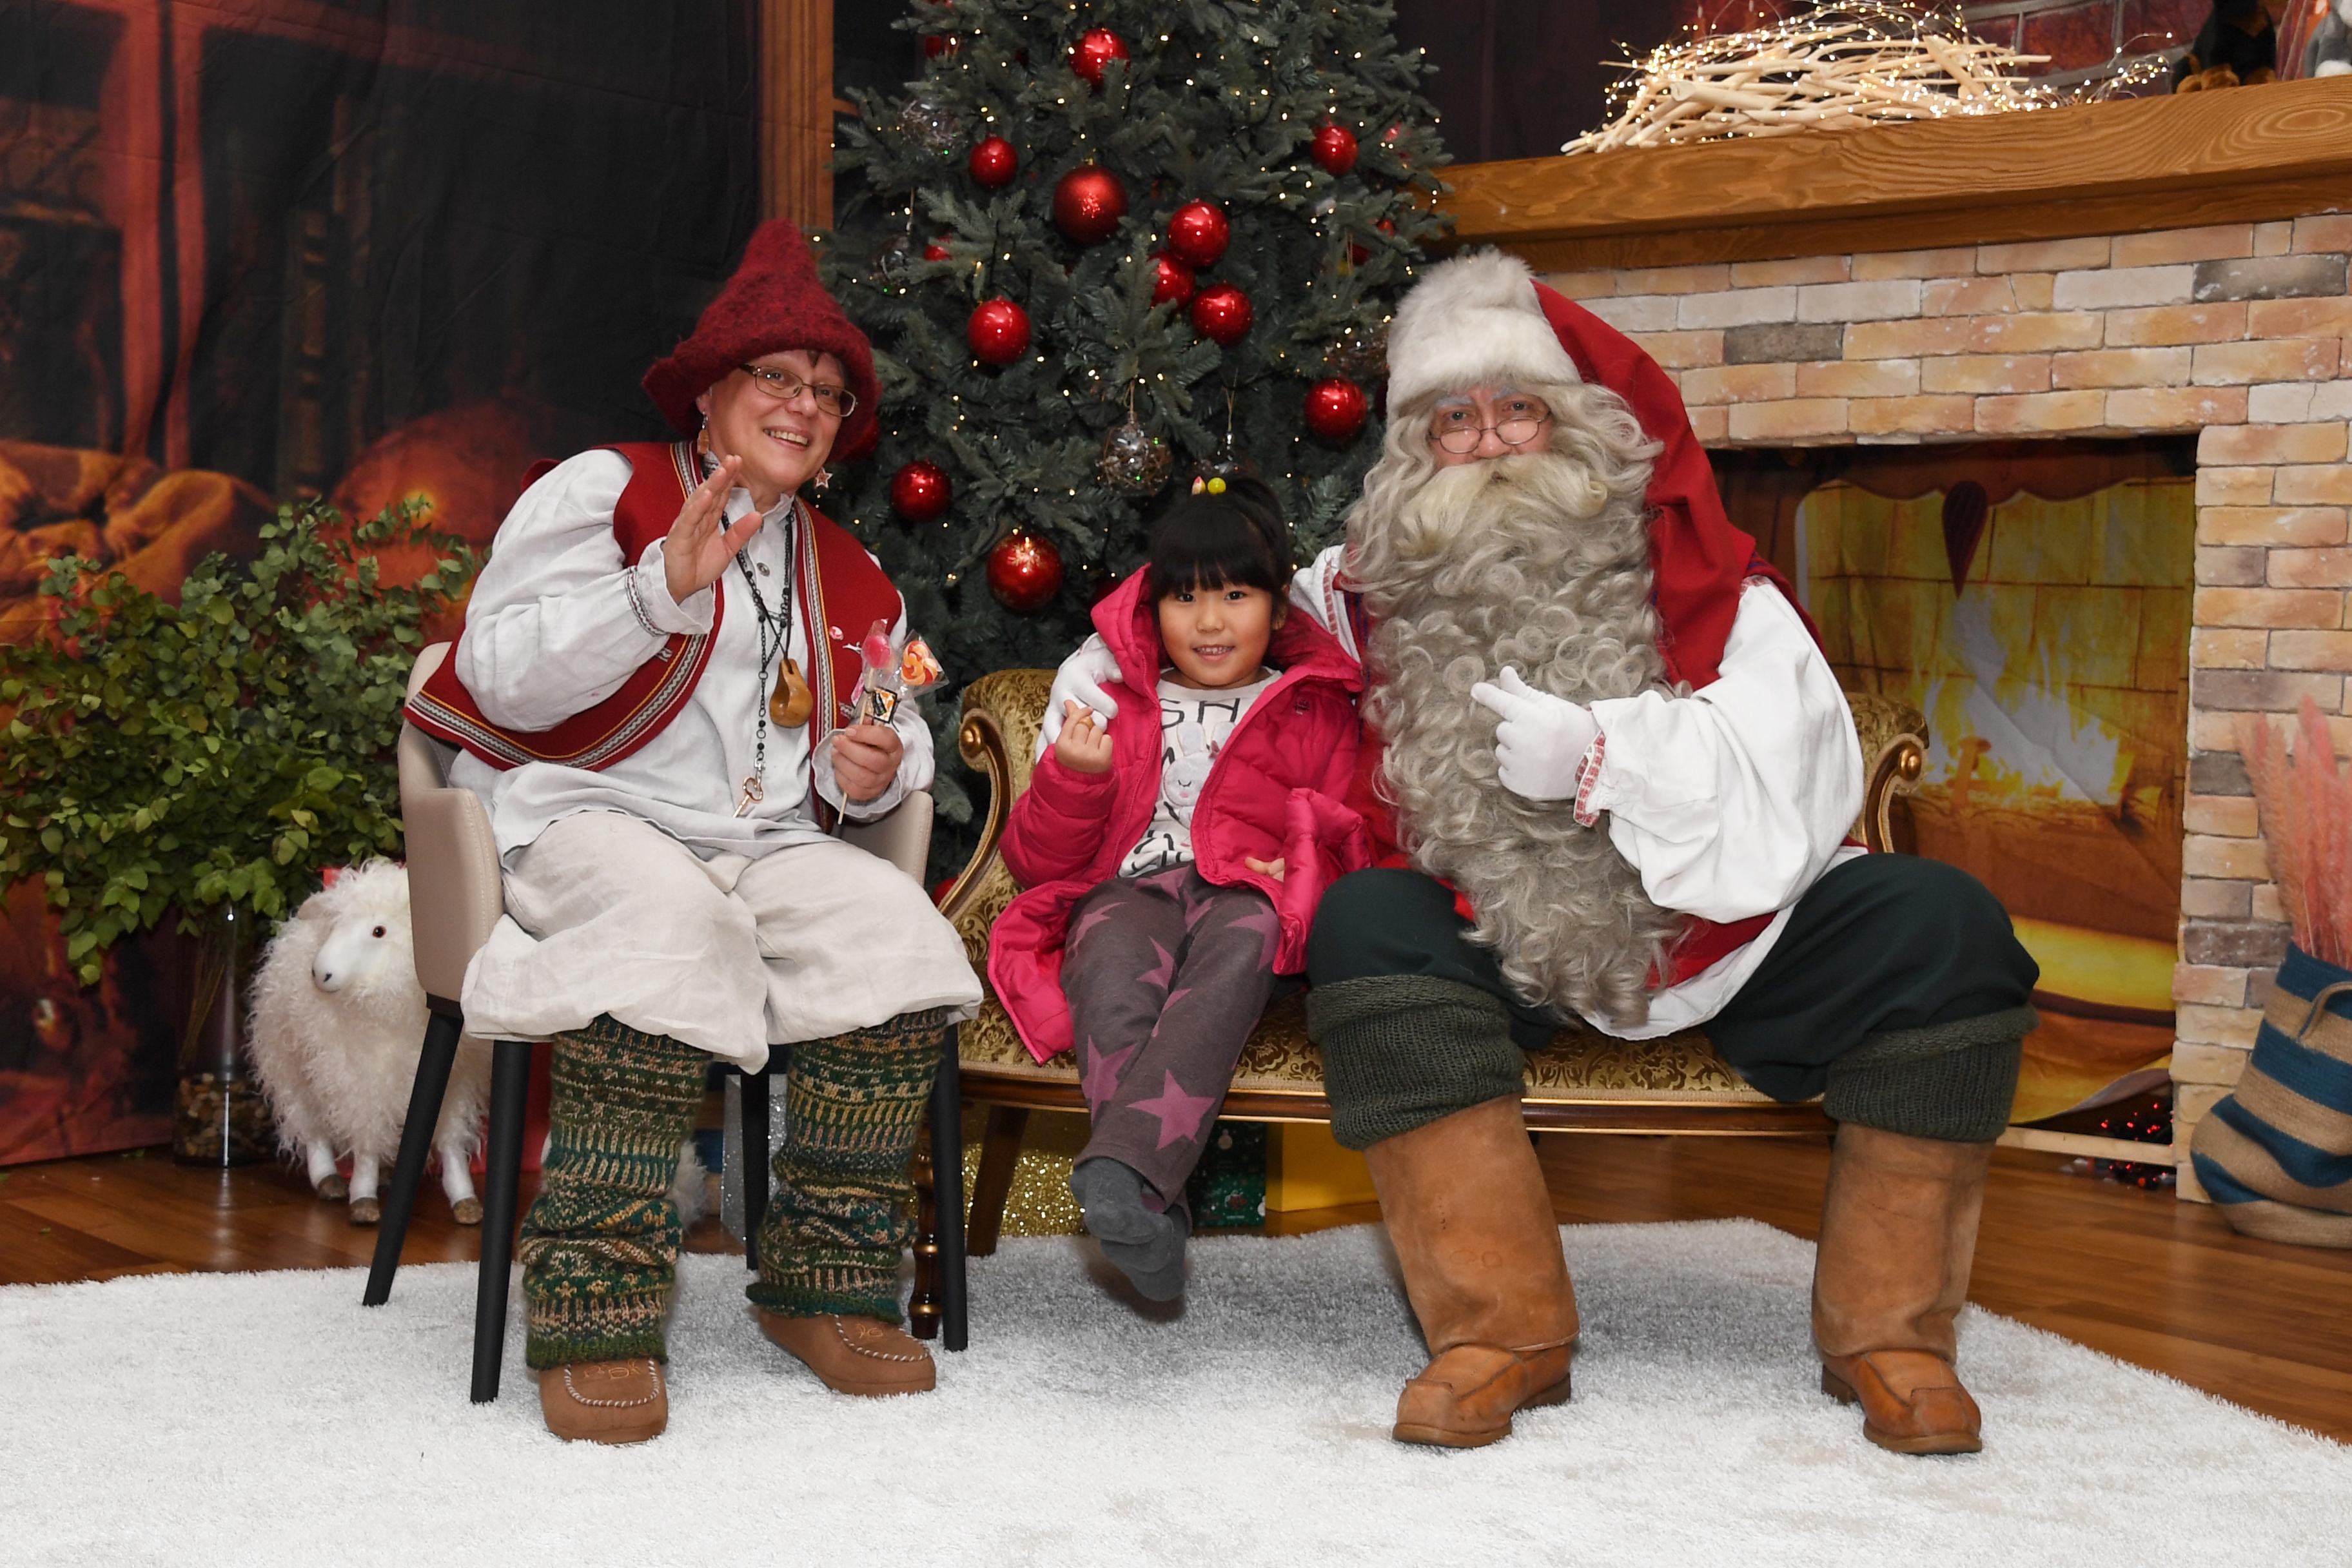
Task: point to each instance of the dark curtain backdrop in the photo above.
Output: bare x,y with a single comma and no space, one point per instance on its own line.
356,247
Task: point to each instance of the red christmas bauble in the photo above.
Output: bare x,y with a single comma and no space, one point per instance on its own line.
998,332
1222,312
935,251
1174,281
1198,234
1096,48
1334,148
937,44
1360,253
993,162
1335,409
920,491
1088,204
1025,572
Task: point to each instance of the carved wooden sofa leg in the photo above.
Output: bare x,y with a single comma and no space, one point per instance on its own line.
923,1306
937,1309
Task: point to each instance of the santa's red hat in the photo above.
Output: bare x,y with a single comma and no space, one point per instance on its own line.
1482,320
774,302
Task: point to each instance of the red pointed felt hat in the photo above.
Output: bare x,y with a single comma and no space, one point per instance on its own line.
773,303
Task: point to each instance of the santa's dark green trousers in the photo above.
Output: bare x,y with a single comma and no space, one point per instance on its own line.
1897,992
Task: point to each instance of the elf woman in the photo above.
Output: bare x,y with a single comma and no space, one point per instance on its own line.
1175,857
652,694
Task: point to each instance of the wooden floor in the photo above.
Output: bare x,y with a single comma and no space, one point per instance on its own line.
2164,1285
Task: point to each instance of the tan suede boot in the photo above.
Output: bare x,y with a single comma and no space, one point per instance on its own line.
852,1354
1898,1233
1473,1226
605,1401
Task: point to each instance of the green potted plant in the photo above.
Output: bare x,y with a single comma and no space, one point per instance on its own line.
208,759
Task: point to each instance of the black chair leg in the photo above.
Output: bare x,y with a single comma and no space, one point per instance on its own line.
501,1175
754,1135
425,1097
947,1179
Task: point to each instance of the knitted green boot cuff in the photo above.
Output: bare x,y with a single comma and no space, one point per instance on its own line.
1401,1051
842,1212
1953,1081
599,1248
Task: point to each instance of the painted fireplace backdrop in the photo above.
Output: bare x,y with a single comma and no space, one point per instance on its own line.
368,249
2033,602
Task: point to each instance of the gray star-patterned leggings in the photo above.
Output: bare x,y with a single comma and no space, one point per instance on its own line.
1166,976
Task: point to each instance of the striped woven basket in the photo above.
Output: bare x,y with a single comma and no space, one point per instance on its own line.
2275,1155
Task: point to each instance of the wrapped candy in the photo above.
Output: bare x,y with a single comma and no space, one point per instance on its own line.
891,674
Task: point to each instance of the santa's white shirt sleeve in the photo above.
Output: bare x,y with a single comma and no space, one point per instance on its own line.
551,632
1733,801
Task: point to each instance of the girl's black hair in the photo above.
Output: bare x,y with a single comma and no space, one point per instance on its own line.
1237,537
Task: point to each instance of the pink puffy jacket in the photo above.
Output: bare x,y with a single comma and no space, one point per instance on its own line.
1275,790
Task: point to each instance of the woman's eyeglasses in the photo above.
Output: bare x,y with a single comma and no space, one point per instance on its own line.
783,386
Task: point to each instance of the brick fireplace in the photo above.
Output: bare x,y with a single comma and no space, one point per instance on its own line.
1850,305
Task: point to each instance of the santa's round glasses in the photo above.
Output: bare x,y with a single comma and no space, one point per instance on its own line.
784,386
1518,420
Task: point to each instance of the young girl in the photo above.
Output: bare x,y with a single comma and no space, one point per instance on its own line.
1173,856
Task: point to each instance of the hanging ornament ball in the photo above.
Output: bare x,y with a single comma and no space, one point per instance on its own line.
919,491
935,251
994,163
998,332
1222,312
1198,234
931,125
1025,572
1335,149
1088,204
893,263
1095,50
937,44
1134,460
1173,281
1335,409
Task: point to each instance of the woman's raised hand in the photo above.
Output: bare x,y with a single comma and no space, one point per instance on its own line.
700,543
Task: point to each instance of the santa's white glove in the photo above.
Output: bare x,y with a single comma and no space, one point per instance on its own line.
1080,680
1541,744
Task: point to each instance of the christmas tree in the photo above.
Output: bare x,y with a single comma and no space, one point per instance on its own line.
1125,243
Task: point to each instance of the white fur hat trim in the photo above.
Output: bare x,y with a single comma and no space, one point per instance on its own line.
1473,321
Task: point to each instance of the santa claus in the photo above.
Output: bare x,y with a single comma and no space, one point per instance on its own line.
1613,775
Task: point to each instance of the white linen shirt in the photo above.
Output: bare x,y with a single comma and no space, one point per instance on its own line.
1730,802
550,632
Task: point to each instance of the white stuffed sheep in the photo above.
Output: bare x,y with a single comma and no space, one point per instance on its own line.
338,1025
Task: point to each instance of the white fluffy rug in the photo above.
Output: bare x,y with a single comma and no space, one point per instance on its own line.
267,1418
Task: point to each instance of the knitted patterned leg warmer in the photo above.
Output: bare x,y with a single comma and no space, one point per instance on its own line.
599,1248
843,1209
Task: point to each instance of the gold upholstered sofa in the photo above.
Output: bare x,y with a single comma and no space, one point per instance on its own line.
1584,1082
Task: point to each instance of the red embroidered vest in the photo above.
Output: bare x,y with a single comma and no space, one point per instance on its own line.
842,591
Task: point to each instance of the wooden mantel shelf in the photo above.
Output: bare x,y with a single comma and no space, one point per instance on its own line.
2243,154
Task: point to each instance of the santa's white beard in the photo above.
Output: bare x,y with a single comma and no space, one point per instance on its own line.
1522,560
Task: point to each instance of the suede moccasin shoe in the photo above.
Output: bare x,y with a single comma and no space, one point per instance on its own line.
854,1355
605,1401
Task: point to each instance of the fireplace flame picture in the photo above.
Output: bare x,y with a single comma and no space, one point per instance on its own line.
2041,626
